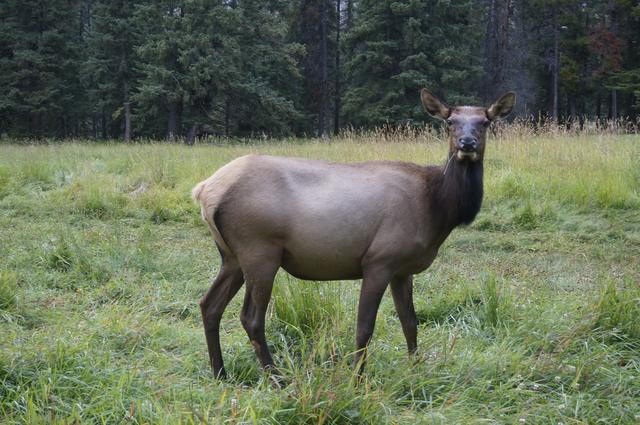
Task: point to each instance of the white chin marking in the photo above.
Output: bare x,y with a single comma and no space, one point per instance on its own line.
473,156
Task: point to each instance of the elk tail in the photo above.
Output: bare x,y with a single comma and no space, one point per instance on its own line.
208,210
197,191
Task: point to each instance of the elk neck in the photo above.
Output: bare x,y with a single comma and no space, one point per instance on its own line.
459,195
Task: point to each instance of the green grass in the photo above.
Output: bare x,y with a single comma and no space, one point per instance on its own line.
530,315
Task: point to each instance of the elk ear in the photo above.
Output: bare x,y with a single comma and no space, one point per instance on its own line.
502,107
434,106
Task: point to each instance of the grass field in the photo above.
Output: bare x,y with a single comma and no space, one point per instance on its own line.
530,315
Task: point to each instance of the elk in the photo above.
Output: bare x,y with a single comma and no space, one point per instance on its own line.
379,221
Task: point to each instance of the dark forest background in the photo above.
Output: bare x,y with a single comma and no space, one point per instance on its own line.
128,69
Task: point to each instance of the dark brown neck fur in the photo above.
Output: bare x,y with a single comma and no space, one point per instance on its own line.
457,194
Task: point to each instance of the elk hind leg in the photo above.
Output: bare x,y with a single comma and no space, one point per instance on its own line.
212,305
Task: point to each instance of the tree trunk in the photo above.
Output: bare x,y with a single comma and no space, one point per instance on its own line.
191,135
175,120
614,104
572,110
556,69
497,42
489,49
337,95
63,127
127,112
103,121
126,104
323,70
350,18
227,114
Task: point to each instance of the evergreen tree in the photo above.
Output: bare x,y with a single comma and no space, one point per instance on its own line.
623,57
497,47
226,64
140,68
510,45
39,60
399,47
160,93
315,28
263,65
270,71
204,54
588,57
110,67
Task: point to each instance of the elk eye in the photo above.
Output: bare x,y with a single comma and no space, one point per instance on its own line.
486,123
449,122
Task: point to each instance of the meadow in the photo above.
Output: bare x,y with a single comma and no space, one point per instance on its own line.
531,315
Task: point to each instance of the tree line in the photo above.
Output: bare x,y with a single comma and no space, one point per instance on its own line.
126,69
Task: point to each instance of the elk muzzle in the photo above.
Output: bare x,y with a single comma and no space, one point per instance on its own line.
467,148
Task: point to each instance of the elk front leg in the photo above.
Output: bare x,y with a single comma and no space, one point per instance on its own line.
374,283
402,291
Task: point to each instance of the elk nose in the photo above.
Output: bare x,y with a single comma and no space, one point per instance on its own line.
467,144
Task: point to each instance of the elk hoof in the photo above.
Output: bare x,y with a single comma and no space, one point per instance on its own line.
220,375
276,378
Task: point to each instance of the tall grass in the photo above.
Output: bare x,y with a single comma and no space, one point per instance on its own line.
103,257
8,291
496,302
306,308
618,311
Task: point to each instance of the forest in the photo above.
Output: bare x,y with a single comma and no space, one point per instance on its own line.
174,69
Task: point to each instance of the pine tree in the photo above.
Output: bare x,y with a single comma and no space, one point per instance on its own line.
223,65
260,96
160,92
399,47
40,45
110,68
315,28
621,31
497,47
587,57
125,68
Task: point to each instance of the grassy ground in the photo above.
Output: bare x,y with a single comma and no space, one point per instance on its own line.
530,315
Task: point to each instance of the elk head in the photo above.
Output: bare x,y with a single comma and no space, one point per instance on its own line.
467,125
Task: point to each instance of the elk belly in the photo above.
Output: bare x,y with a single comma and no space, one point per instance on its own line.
319,260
